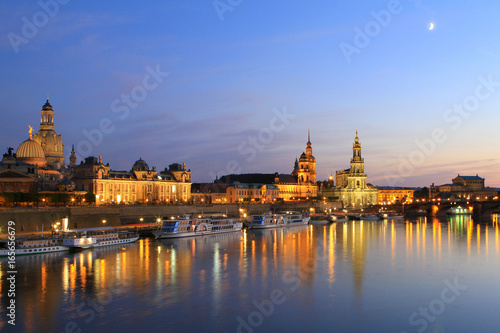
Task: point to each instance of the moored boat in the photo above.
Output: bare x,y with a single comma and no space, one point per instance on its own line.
295,218
282,219
266,221
24,246
391,215
334,218
458,211
191,227
97,237
370,217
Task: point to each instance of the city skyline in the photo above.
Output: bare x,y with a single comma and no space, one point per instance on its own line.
205,84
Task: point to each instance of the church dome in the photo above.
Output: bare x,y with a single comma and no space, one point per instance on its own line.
51,142
303,157
30,152
140,165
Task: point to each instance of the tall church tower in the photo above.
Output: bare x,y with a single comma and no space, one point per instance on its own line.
351,183
357,177
48,138
72,157
307,164
357,162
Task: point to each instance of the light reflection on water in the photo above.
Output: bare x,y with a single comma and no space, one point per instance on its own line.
348,277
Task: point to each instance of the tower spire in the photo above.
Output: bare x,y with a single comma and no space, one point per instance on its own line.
72,157
309,145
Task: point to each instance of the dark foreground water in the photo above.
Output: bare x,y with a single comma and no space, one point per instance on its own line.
420,276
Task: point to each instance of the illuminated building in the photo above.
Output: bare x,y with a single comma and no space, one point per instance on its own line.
463,187
49,140
351,187
40,159
38,165
139,185
235,192
300,184
395,195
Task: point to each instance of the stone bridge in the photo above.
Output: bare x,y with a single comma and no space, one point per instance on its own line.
439,208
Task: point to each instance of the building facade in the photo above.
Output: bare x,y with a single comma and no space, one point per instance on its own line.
392,195
208,193
14,181
258,193
140,185
464,187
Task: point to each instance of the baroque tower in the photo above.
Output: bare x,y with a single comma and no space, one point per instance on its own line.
351,183
357,162
72,157
307,164
357,177
47,137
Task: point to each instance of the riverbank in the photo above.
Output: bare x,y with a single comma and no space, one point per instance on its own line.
29,220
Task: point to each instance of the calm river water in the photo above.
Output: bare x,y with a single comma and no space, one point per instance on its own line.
425,275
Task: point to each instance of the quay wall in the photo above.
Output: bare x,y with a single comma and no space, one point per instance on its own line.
32,219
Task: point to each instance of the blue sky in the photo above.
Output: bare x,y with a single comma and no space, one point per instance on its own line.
227,79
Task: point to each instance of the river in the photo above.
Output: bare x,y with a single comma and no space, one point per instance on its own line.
424,275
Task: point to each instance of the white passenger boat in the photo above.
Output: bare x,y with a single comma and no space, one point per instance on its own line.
196,227
295,218
266,221
97,237
23,246
282,219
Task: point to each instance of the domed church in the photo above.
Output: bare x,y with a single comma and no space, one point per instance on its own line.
38,160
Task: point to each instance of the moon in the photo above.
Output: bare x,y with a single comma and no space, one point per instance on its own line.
431,26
